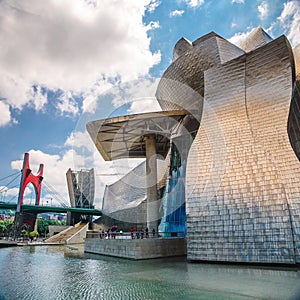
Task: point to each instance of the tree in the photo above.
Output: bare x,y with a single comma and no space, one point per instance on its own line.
25,229
43,226
24,233
2,228
9,224
33,235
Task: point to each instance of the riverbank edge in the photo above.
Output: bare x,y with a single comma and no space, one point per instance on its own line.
4,244
137,249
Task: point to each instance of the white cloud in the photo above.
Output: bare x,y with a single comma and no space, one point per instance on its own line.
194,3
134,91
69,45
67,104
290,21
176,13
90,96
37,98
237,1
121,93
263,10
79,139
143,106
9,192
239,37
5,116
153,25
153,5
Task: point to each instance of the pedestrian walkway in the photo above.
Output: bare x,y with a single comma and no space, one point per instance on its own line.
64,236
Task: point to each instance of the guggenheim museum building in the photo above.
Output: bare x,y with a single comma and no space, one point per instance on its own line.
221,163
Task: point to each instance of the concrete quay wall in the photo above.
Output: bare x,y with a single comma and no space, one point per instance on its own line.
137,248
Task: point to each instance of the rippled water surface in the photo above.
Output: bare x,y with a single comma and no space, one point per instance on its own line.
58,272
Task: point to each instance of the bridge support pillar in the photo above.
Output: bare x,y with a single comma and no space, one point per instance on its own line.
73,218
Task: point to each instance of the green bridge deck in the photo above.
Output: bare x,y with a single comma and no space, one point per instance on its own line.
44,209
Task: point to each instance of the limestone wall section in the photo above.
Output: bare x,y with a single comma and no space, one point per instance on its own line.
137,248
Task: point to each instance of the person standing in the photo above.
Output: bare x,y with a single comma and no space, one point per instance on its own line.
153,232
147,232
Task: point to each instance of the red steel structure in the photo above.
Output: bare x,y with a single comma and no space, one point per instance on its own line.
36,180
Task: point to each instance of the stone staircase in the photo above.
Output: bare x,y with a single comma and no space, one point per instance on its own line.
67,234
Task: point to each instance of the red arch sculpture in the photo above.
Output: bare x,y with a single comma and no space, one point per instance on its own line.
36,180
28,177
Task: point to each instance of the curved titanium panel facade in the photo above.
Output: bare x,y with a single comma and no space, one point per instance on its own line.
182,84
243,177
257,38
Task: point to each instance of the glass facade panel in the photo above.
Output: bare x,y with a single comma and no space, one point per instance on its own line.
173,222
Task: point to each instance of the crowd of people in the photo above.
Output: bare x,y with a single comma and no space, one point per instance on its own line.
135,233
141,233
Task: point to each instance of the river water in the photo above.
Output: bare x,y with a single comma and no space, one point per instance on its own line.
60,272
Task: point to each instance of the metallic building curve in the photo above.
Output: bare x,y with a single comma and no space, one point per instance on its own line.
252,214
182,84
233,180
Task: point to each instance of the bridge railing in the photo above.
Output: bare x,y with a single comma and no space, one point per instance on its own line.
133,235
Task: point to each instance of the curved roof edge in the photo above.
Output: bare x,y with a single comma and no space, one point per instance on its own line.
123,137
257,38
181,47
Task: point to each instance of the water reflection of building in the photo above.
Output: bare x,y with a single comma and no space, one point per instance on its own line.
233,182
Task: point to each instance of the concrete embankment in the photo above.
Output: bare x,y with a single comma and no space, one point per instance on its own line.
137,248
5,243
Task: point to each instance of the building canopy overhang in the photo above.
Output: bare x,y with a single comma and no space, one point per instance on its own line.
124,136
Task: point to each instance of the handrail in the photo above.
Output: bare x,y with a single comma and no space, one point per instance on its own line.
133,235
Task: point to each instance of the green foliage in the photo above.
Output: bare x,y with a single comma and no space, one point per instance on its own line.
43,228
6,227
24,233
6,222
33,234
2,228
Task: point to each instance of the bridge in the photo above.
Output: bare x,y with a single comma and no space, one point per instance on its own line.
37,209
26,214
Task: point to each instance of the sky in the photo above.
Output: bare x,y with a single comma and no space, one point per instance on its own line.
66,62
